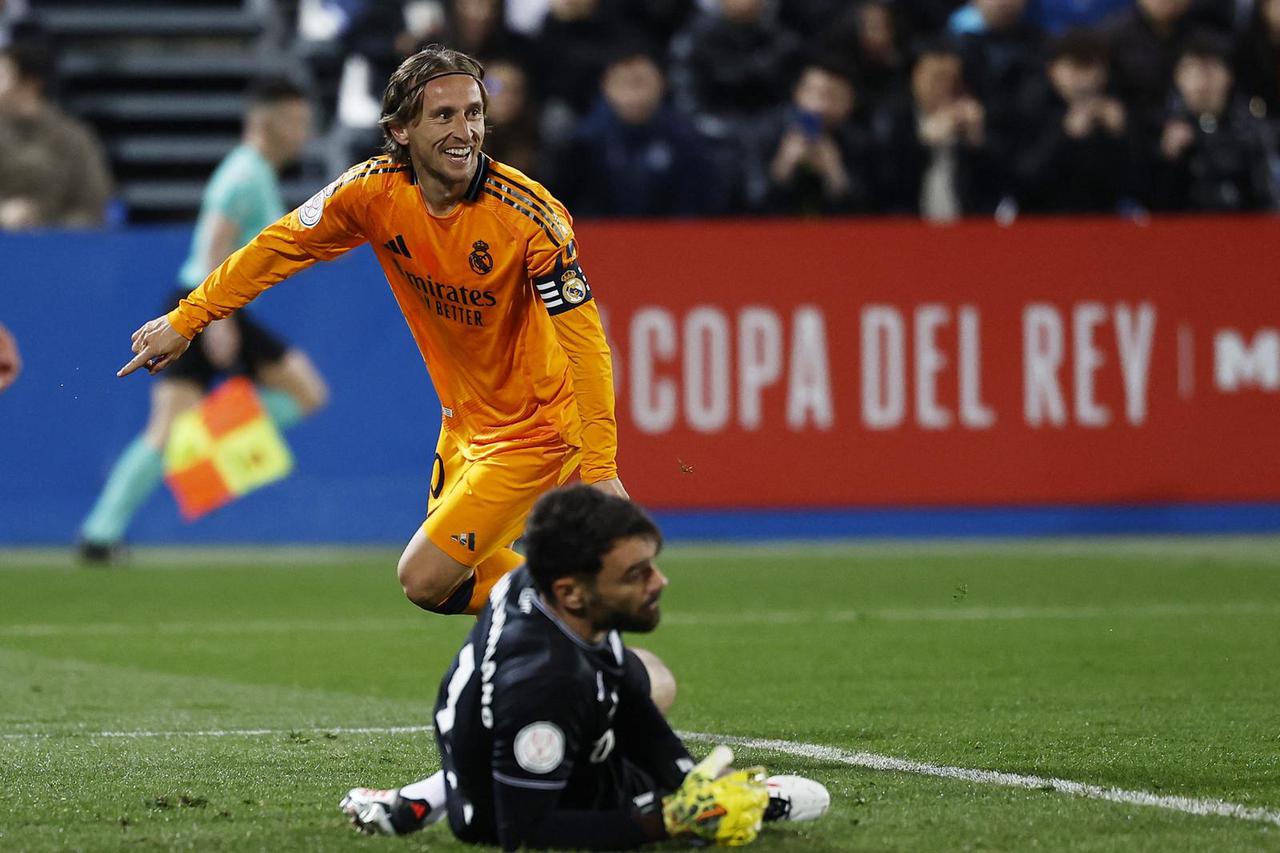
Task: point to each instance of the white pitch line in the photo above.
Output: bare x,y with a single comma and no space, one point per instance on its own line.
871,761
958,613
1201,807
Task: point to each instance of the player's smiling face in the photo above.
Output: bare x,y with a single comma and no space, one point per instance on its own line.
626,592
445,142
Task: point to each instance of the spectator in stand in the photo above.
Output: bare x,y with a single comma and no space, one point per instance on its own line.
382,32
817,157
1057,17
1081,157
377,36
925,18
1145,42
659,20
810,19
513,137
1257,61
478,28
1002,60
1213,154
729,67
634,155
570,54
53,173
734,63
871,35
936,162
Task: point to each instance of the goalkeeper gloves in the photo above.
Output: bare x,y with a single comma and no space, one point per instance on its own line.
725,810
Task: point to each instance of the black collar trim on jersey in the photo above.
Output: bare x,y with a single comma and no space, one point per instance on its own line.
566,630
477,180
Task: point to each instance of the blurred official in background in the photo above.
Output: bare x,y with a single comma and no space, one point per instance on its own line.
241,199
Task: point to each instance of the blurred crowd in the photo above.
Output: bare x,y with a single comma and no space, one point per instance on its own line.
929,108
53,171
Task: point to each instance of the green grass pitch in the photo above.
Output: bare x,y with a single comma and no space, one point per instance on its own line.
226,700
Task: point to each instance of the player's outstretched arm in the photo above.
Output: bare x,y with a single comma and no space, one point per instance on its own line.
325,226
156,345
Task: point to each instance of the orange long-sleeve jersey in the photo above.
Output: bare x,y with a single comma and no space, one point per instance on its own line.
493,294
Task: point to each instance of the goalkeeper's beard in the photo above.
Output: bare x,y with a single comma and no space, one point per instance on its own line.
606,617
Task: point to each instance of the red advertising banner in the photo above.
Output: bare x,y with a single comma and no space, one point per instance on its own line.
764,364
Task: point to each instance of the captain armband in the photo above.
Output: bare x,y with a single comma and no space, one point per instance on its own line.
564,290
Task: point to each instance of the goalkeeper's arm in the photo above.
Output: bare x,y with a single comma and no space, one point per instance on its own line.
712,805
716,803
529,818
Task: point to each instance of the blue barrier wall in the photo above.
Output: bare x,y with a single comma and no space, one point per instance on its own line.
363,463
73,300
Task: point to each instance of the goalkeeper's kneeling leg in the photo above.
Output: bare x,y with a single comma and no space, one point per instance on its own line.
662,683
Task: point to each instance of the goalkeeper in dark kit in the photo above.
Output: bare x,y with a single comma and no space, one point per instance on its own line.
549,736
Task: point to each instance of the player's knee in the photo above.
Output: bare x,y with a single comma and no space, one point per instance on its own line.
417,584
662,681
424,585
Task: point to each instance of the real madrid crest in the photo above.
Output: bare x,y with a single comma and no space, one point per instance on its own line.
573,288
480,259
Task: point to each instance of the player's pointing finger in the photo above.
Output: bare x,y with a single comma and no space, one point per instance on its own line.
134,363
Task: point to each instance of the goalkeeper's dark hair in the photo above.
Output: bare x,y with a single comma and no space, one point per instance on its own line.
571,529
402,100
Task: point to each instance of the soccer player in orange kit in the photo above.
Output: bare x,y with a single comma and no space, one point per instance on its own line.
484,265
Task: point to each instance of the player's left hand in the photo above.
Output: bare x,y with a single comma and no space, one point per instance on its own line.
612,487
717,803
157,345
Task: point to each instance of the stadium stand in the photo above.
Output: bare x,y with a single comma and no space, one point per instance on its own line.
163,83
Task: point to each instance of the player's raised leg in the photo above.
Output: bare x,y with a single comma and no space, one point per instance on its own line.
476,510
435,581
432,579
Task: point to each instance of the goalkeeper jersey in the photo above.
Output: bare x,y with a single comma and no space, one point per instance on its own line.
493,294
540,732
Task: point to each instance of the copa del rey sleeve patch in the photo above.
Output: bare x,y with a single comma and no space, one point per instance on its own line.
539,747
313,208
563,291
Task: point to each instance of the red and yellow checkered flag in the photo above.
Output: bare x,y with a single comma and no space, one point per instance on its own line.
226,447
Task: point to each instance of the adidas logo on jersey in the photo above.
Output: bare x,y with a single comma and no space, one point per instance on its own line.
468,539
396,244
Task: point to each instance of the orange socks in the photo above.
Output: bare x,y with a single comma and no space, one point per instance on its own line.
487,573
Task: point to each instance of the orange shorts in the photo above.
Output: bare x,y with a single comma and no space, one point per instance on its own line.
479,506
